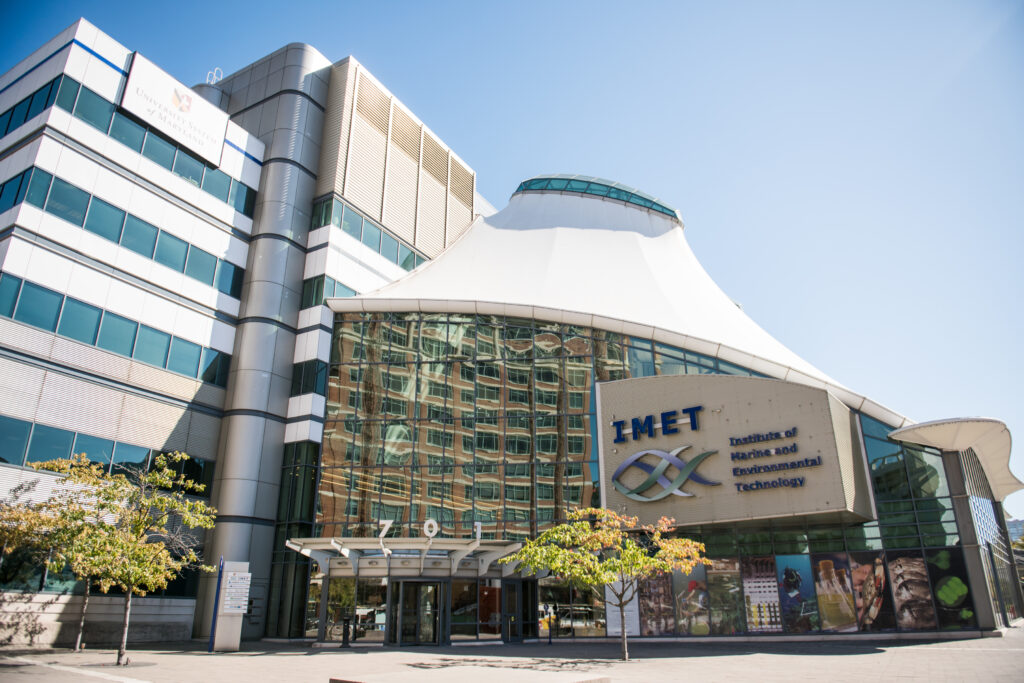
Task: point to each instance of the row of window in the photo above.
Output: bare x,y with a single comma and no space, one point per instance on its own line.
29,108
23,442
44,308
333,211
98,112
64,200
316,289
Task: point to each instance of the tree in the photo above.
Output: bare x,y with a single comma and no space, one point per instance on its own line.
600,548
135,530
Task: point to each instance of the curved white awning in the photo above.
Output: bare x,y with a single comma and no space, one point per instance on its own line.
988,437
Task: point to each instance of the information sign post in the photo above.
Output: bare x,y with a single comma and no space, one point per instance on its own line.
232,606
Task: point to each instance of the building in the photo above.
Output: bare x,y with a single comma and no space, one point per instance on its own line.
390,386
160,252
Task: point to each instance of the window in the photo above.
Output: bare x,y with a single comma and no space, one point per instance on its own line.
184,357
406,257
436,489
9,288
389,247
159,150
200,265
517,493
214,367
171,251
188,167
436,437
139,236
79,321
352,224
105,220
38,306
49,443
229,279
99,451
67,94
67,201
483,490
117,334
243,198
11,190
127,132
93,109
38,187
130,457
217,183
13,439
151,346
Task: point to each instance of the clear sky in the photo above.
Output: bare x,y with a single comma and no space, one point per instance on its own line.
851,173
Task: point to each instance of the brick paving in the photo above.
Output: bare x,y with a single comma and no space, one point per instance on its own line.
989,659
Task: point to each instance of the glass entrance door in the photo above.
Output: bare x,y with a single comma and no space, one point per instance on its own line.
512,611
414,613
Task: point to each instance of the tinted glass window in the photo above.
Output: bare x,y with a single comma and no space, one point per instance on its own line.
5,120
9,287
98,450
229,279
67,93
371,235
209,365
38,306
49,443
39,101
13,438
79,321
352,223
171,251
129,458
406,257
117,334
139,236
18,114
67,201
243,198
159,150
201,265
9,192
151,346
38,187
188,167
389,247
217,183
184,357
93,109
127,132
104,220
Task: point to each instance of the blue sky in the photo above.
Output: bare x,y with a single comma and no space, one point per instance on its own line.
851,173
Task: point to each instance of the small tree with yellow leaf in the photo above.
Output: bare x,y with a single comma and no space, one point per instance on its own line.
134,530
598,548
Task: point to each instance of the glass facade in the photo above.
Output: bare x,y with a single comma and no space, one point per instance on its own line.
486,419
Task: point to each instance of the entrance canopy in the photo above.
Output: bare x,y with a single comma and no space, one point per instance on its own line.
987,437
424,556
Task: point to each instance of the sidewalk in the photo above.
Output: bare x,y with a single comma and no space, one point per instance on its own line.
990,658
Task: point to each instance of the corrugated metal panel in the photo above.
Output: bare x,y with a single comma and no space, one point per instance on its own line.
25,338
77,355
430,222
335,133
144,421
462,184
373,104
405,133
435,159
20,387
459,218
80,406
203,434
366,167
163,381
400,205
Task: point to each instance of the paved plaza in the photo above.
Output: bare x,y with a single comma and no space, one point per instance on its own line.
991,659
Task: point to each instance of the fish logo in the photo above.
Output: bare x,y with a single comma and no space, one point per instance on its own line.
182,101
657,473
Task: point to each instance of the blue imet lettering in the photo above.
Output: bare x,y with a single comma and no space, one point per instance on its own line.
619,424
647,425
668,419
692,412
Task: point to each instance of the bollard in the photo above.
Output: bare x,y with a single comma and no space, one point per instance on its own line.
344,631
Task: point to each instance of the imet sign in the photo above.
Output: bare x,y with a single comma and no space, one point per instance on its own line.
755,448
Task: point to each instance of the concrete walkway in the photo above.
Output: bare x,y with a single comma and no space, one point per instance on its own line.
990,659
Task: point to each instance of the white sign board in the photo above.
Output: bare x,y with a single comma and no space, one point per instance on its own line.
172,108
613,618
234,597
